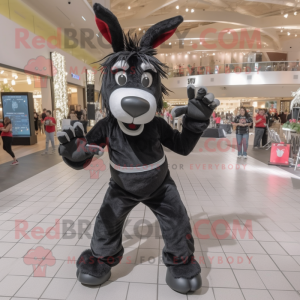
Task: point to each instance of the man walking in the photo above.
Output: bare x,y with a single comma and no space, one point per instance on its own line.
50,123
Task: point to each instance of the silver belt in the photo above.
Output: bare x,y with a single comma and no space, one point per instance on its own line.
138,169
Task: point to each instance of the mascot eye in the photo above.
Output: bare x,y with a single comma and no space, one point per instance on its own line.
121,78
146,79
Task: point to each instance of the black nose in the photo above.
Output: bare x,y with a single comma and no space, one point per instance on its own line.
135,106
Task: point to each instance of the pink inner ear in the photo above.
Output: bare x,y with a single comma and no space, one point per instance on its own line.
103,28
163,37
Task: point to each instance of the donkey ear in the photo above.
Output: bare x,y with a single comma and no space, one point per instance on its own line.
160,32
109,27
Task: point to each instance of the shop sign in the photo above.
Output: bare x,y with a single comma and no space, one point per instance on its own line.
191,80
75,76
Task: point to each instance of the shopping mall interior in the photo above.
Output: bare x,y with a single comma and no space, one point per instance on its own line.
150,149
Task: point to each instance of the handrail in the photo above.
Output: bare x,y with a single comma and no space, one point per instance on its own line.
245,67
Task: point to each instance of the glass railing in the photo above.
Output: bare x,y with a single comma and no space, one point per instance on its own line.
277,66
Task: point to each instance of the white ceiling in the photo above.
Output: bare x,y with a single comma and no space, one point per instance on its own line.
267,15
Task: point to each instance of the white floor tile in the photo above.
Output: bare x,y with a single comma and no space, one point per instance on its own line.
228,294
279,295
164,292
274,280
11,284
248,279
252,294
139,291
33,287
113,291
59,288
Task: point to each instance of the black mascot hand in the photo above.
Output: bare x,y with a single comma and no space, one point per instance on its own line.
73,145
200,107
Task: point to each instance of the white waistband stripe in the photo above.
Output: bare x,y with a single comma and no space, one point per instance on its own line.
138,169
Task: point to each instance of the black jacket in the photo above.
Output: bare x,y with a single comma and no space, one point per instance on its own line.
144,149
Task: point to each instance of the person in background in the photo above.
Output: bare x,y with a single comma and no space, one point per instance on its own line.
84,112
43,120
98,115
50,123
282,117
79,112
242,121
260,125
36,121
218,120
6,134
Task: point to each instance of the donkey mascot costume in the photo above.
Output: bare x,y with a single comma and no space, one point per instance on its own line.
132,93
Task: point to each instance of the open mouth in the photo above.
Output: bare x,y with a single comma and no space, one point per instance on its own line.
132,126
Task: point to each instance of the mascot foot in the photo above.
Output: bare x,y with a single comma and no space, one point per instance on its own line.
91,280
91,271
183,285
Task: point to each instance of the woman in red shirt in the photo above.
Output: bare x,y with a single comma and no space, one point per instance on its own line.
6,134
260,124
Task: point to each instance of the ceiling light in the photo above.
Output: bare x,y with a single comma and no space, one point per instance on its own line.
281,30
200,43
16,76
192,10
214,53
186,9
129,7
295,13
289,33
200,56
177,7
29,80
5,81
175,42
83,18
185,56
2,72
188,53
191,42
97,35
229,32
286,15
296,34
170,43
13,82
140,29
166,54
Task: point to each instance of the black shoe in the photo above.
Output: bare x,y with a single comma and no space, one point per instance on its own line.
91,271
183,285
91,280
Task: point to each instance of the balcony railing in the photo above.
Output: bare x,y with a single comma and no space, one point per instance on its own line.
277,66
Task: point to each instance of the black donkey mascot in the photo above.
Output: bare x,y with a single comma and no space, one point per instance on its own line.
132,93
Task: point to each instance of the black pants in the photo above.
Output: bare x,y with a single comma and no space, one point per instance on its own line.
167,206
7,141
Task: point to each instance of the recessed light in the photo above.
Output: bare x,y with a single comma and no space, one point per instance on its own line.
13,82
192,10
186,9
177,7
289,33
5,81
286,15
200,43
83,18
140,29
2,72
295,13
129,7
170,43
296,34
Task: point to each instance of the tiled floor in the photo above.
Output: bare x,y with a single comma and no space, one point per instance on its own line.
257,257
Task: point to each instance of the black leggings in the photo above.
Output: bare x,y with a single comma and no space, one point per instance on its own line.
7,141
